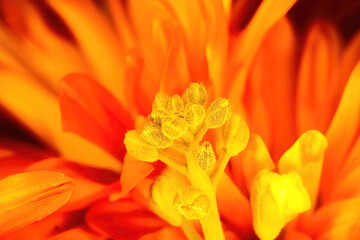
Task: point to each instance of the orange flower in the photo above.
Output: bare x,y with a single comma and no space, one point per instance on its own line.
83,75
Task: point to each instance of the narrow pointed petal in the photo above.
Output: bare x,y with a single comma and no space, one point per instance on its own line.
343,131
76,234
90,111
96,39
319,85
29,197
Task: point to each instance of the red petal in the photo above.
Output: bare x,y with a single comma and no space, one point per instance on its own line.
89,110
123,219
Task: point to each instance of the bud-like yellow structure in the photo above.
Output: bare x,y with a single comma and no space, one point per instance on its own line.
218,113
195,94
177,104
138,148
206,156
174,127
275,200
192,203
153,136
194,114
235,135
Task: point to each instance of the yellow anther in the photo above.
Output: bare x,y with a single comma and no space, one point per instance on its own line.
163,192
153,136
174,127
177,104
275,200
162,102
206,156
195,94
194,114
218,113
138,148
235,135
192,203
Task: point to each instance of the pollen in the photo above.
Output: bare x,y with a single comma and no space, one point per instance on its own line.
138,148
174,127
195,94
192,203
206,156
218,113
153,135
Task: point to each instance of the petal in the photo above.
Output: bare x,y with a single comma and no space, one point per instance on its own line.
234,206
165,234
306,158
270,89
252,160
123,219
343,131
38,110
96,40
85,190
247,43
334,221
90,111
29,197
133,172
319,85
77,234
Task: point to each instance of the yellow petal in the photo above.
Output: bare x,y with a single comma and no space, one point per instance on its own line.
29,197
275,200
306,158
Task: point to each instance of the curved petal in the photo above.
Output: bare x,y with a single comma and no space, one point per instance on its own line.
77,234
123,219
319,85
90,111
343,131
29,197
38,109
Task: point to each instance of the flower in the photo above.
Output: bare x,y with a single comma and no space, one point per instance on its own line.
285,124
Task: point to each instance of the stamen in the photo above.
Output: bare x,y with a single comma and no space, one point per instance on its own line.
180,124
192,203
218,113
206,156
138,148
153,136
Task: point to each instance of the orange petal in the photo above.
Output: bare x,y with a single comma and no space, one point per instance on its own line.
38,110
96,39
234,206
343,131
77,234
133,172
90,111
85,190
319,85
165,234
247,43
29,197
270,89
334,221
295,235
123,219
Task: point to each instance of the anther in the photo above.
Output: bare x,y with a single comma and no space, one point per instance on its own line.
206,156
153,136
218,113
138,148
195,94
192,203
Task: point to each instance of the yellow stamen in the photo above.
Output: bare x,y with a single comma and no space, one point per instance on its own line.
180,124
